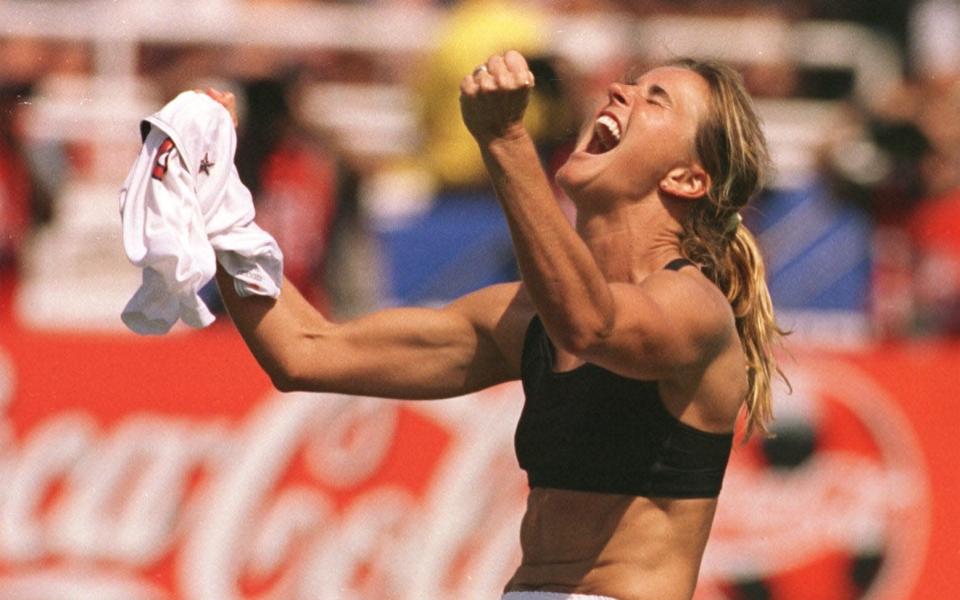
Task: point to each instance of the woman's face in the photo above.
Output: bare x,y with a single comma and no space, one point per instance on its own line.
646,129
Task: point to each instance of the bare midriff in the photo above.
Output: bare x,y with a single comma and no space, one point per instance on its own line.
624,547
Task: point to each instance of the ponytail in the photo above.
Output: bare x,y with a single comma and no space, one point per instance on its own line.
756,326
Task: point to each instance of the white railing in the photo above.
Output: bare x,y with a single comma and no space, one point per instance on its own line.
103,108
117,28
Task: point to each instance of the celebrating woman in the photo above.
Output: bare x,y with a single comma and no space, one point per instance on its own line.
639,334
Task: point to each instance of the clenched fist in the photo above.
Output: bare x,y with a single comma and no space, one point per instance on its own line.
494,97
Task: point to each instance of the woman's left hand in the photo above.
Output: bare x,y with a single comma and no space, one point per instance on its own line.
494,97
225,99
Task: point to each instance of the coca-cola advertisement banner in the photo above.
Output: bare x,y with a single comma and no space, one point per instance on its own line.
168,468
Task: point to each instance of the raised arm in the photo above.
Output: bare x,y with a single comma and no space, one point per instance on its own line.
405,353
565,284
665,324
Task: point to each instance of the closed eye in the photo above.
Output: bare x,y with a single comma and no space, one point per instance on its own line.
659,96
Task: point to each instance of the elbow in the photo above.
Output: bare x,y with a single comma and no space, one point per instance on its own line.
283,381
585,335
289,367
285,374
586,327
579,342
287,380
282,377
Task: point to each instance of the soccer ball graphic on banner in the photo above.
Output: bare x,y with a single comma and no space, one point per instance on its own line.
834,506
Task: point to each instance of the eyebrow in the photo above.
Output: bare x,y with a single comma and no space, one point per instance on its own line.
656,91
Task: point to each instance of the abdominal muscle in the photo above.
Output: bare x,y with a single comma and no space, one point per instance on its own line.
624,547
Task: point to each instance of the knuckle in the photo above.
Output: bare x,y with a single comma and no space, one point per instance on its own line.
515,56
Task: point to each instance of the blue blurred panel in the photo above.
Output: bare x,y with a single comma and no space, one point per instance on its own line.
461,244
817,249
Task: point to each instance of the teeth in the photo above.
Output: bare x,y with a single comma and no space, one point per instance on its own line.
611,125
608,131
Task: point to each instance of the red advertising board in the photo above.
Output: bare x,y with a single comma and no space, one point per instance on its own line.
167,468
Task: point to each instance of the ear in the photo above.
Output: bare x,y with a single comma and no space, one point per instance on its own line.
688,182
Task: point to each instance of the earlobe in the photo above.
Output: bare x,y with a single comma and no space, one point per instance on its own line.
686,182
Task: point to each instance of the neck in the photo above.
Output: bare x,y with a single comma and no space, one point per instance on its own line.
632,240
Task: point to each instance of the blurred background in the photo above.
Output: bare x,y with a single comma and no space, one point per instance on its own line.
167,468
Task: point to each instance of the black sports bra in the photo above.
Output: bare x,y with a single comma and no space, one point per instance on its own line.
590,429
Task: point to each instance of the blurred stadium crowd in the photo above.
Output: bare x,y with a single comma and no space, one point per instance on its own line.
360,166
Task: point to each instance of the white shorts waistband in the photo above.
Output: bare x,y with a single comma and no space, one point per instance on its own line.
552,596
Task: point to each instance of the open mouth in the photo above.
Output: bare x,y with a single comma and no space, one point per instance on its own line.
606,134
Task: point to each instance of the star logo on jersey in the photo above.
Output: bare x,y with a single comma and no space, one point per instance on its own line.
205,165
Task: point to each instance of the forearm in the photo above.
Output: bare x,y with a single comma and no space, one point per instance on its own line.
567,287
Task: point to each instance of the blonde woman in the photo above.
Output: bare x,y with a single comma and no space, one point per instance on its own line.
639,334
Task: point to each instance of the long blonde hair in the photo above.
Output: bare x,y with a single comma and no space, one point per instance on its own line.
732,148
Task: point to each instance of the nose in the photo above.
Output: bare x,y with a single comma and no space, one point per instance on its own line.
618,94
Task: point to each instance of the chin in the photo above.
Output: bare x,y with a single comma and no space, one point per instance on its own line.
584,181
570,177
569,185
